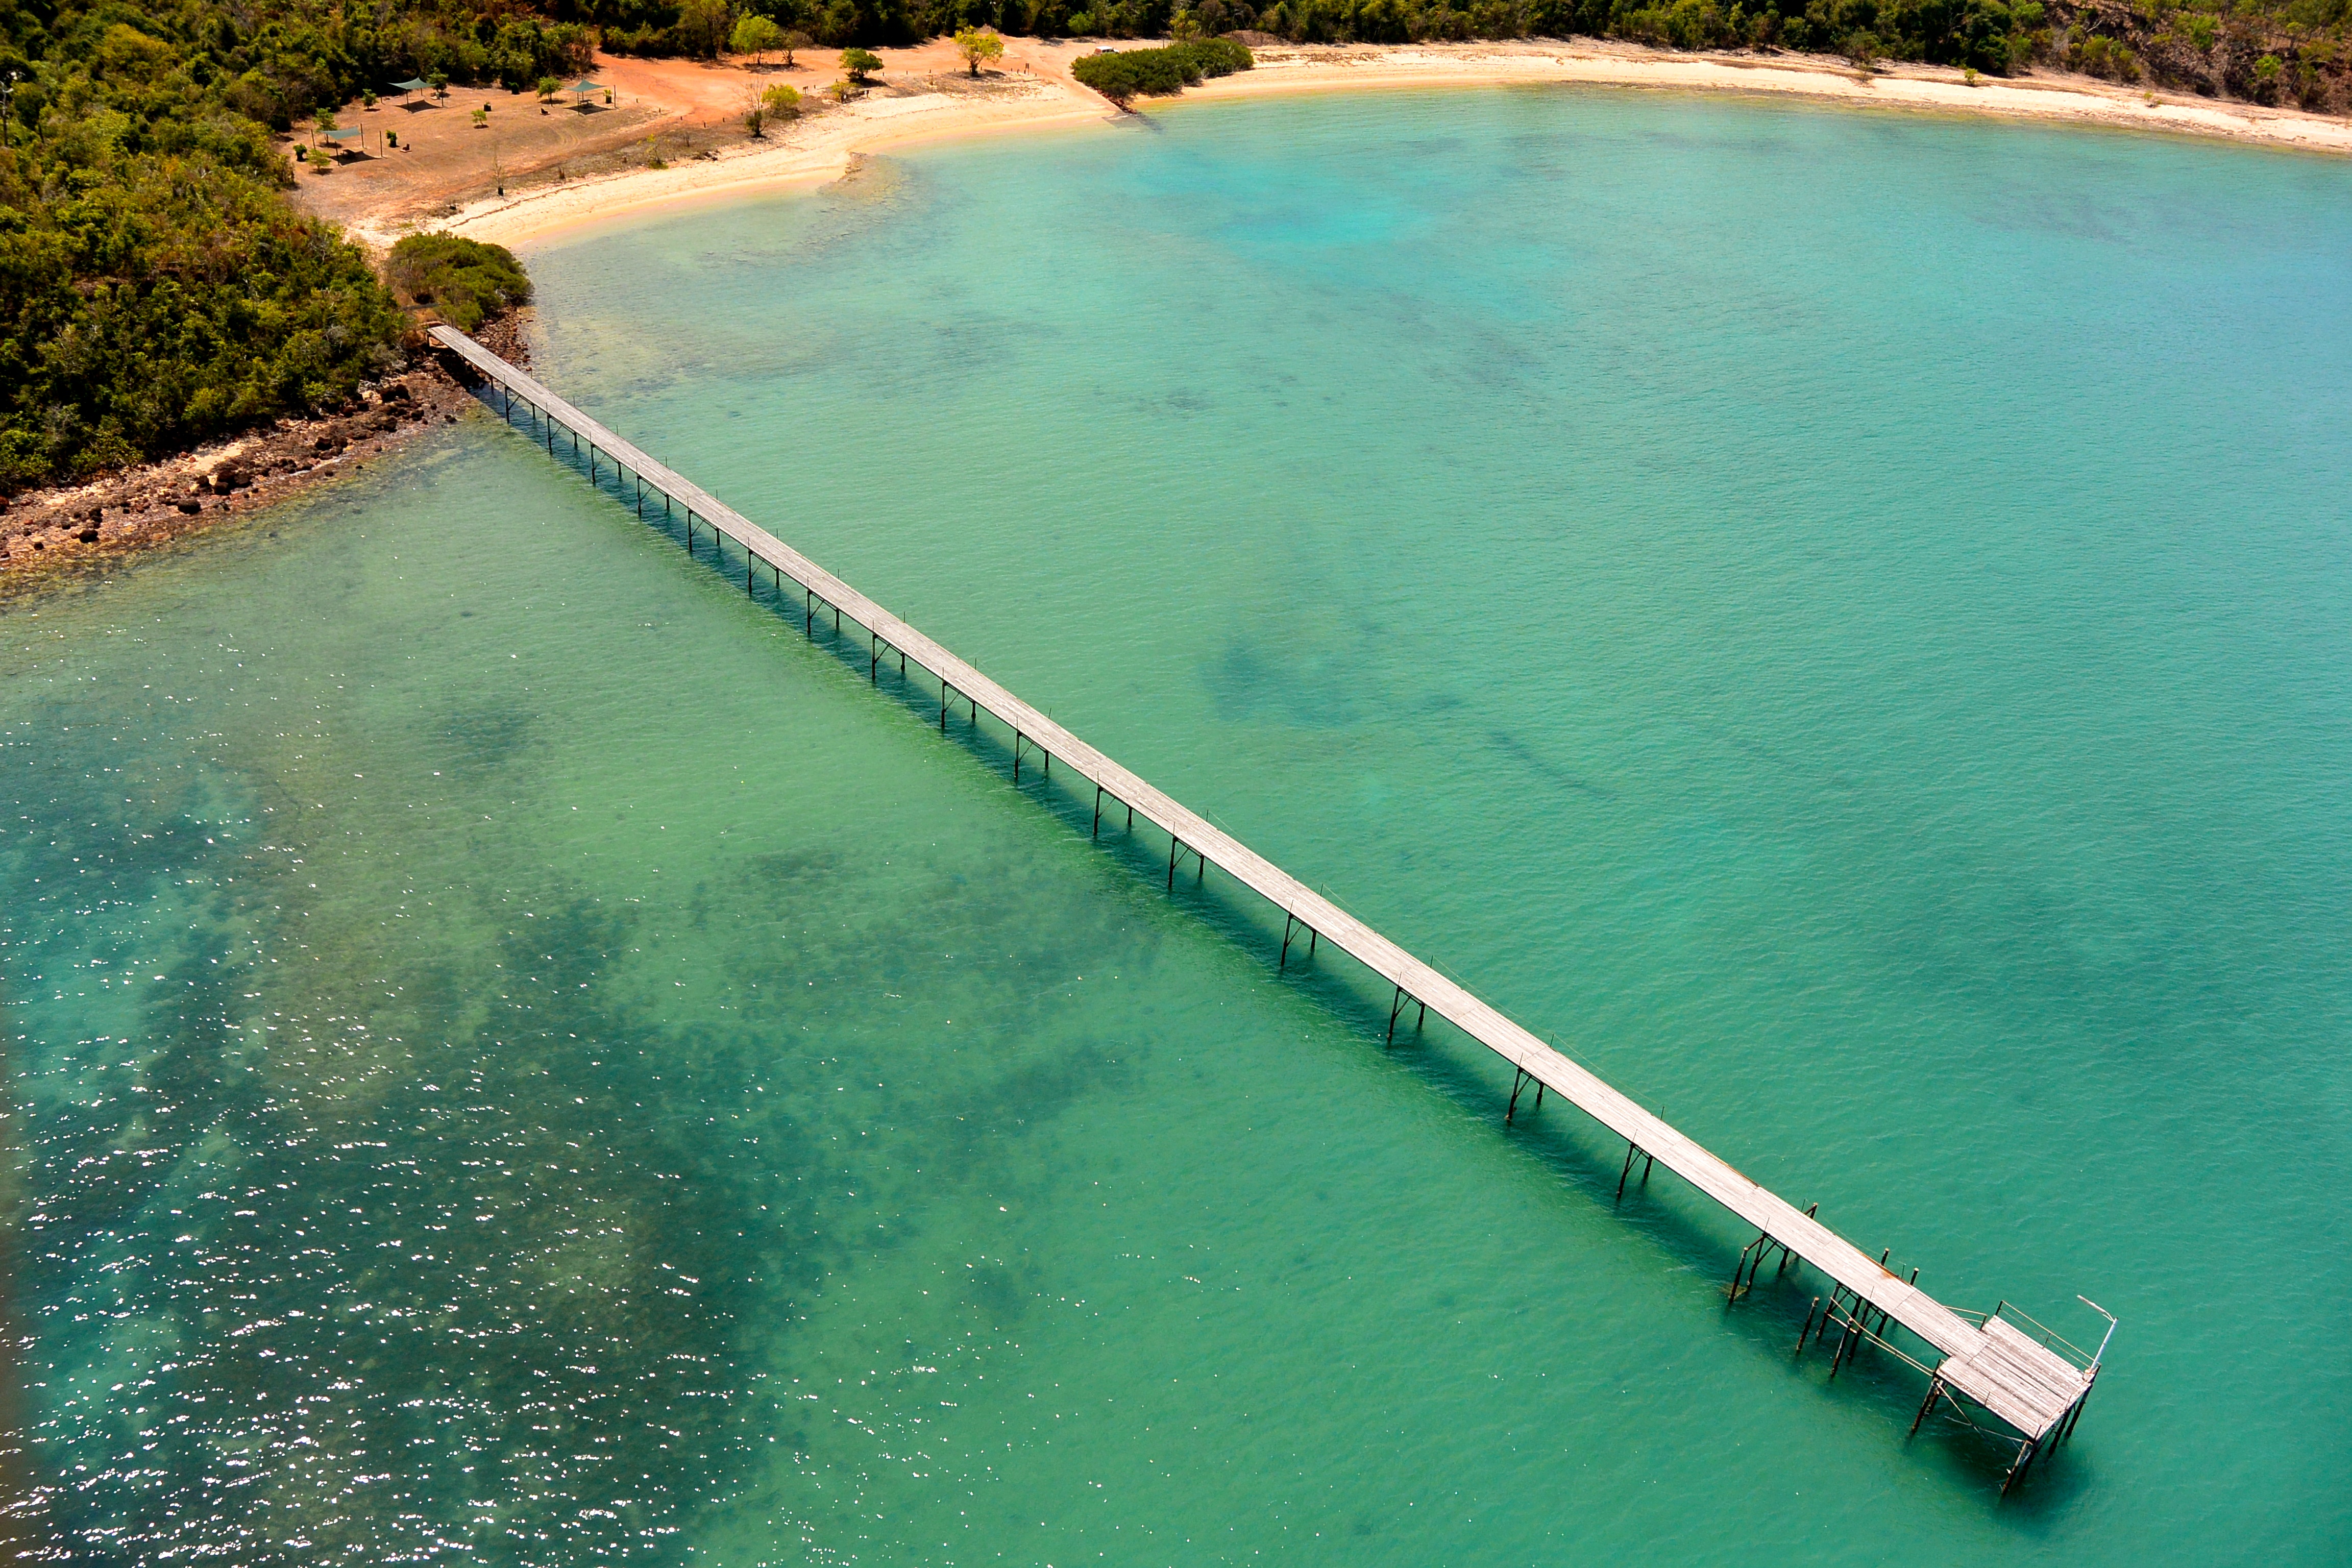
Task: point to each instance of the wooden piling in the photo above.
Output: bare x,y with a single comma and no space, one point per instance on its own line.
2029,1388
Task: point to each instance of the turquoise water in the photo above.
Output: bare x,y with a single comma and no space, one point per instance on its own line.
516,1052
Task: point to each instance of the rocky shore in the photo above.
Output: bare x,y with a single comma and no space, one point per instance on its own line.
43,533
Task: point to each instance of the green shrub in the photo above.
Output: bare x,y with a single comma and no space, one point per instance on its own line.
1141,73
755,34
467,282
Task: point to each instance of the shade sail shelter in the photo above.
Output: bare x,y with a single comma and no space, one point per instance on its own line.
413,84
583,86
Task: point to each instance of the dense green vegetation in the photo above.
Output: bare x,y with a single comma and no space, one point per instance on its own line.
2270,51
464,281
1136,73
156,288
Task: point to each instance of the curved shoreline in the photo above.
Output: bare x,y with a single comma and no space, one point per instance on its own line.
829,145
1036,93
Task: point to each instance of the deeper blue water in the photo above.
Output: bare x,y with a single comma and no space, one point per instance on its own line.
516,1055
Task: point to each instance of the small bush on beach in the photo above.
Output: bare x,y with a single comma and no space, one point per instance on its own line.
1140,73
860,64
781,102
467,282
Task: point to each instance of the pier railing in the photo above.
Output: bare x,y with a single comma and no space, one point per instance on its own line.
1864,1288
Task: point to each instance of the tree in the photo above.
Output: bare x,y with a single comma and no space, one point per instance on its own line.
702,27
327,120
439,82
782,102
978,44
793,43
859,64
754,35
548,87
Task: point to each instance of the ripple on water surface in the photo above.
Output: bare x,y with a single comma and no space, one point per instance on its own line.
519,1055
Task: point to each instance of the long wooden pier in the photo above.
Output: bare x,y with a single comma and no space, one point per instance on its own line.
2018,1372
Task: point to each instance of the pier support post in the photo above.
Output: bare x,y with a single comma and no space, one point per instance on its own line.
1850,1345
1518,1081
1751,1258
1935,1388
1806,1332
2026,1453
1821,1330
1172,862
2066,1430
1288,921
1634,1151
1395,1007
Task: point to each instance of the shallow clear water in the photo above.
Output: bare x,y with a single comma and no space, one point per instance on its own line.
1840,619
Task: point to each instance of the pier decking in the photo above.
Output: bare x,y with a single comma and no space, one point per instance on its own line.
1998,1366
